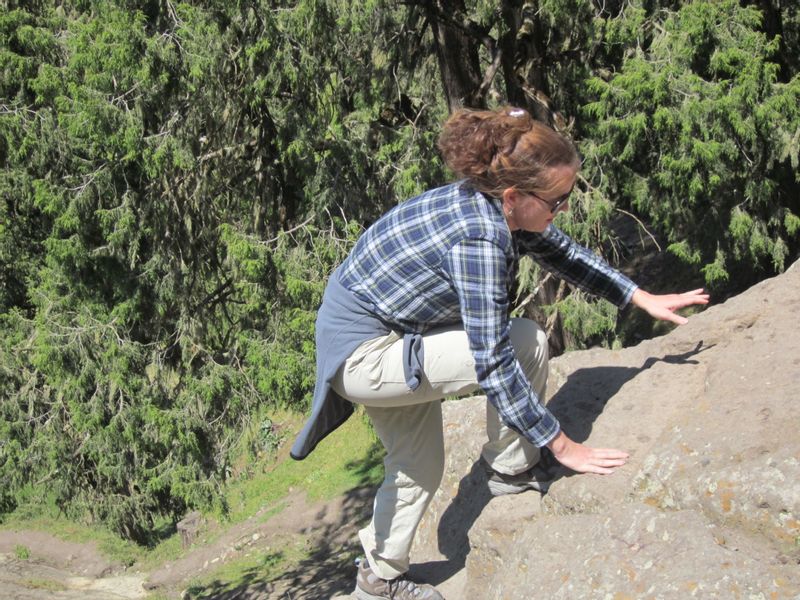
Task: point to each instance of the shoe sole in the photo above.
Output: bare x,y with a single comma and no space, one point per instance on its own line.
497,488
364,595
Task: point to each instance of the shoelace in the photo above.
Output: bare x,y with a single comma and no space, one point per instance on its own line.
398,584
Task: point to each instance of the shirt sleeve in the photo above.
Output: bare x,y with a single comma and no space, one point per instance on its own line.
562,256
478,271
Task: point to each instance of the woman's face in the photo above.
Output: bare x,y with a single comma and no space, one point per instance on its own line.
534,212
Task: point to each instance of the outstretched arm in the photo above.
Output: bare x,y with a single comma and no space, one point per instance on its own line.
561,255
663,306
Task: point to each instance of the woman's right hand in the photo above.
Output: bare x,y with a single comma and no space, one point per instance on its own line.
583,459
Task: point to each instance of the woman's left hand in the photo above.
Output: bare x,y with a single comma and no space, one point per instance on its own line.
663,306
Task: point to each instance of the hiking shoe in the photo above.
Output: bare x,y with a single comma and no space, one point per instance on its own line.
538,477
371,587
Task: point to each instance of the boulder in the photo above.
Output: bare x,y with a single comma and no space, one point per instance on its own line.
708,505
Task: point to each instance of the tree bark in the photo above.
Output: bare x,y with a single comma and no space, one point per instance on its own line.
457,52
524,59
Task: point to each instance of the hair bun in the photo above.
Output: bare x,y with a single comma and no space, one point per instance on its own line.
503,148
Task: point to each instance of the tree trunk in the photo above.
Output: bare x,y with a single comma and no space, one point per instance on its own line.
524,59
773,26
457,52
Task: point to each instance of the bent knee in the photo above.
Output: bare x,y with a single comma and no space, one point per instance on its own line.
529,341
425,473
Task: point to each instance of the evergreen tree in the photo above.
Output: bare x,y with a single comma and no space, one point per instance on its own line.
696,132
177,181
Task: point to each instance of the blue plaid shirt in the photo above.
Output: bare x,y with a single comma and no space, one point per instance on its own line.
447,256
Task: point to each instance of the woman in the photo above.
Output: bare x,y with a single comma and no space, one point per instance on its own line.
420,310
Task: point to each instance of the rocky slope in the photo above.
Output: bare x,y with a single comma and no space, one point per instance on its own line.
708,505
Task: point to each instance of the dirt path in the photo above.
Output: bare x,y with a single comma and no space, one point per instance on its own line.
51,568
54,569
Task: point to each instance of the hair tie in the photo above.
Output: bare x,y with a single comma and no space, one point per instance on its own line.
517,112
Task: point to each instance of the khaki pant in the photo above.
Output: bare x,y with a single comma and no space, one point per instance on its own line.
410,426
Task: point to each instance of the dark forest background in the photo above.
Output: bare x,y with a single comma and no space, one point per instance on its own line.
178,179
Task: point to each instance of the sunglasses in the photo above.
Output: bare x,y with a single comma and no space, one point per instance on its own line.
554,205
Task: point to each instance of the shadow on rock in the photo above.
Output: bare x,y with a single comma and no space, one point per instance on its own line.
577,405
453,530
579,402
582,399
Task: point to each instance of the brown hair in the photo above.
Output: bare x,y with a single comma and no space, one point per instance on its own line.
504,148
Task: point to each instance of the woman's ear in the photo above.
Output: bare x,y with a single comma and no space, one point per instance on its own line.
510,199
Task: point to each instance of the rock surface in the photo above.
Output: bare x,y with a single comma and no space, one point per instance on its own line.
708,506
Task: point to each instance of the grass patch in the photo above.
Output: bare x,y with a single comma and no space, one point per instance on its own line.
40,518
44,584
164,552
22,552
258,567
350,457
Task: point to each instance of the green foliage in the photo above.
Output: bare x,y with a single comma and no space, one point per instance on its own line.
280,366
587,319
686,114
176,186
177,182
696,132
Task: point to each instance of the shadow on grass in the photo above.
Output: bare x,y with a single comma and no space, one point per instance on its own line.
160,532
369,470
327,567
